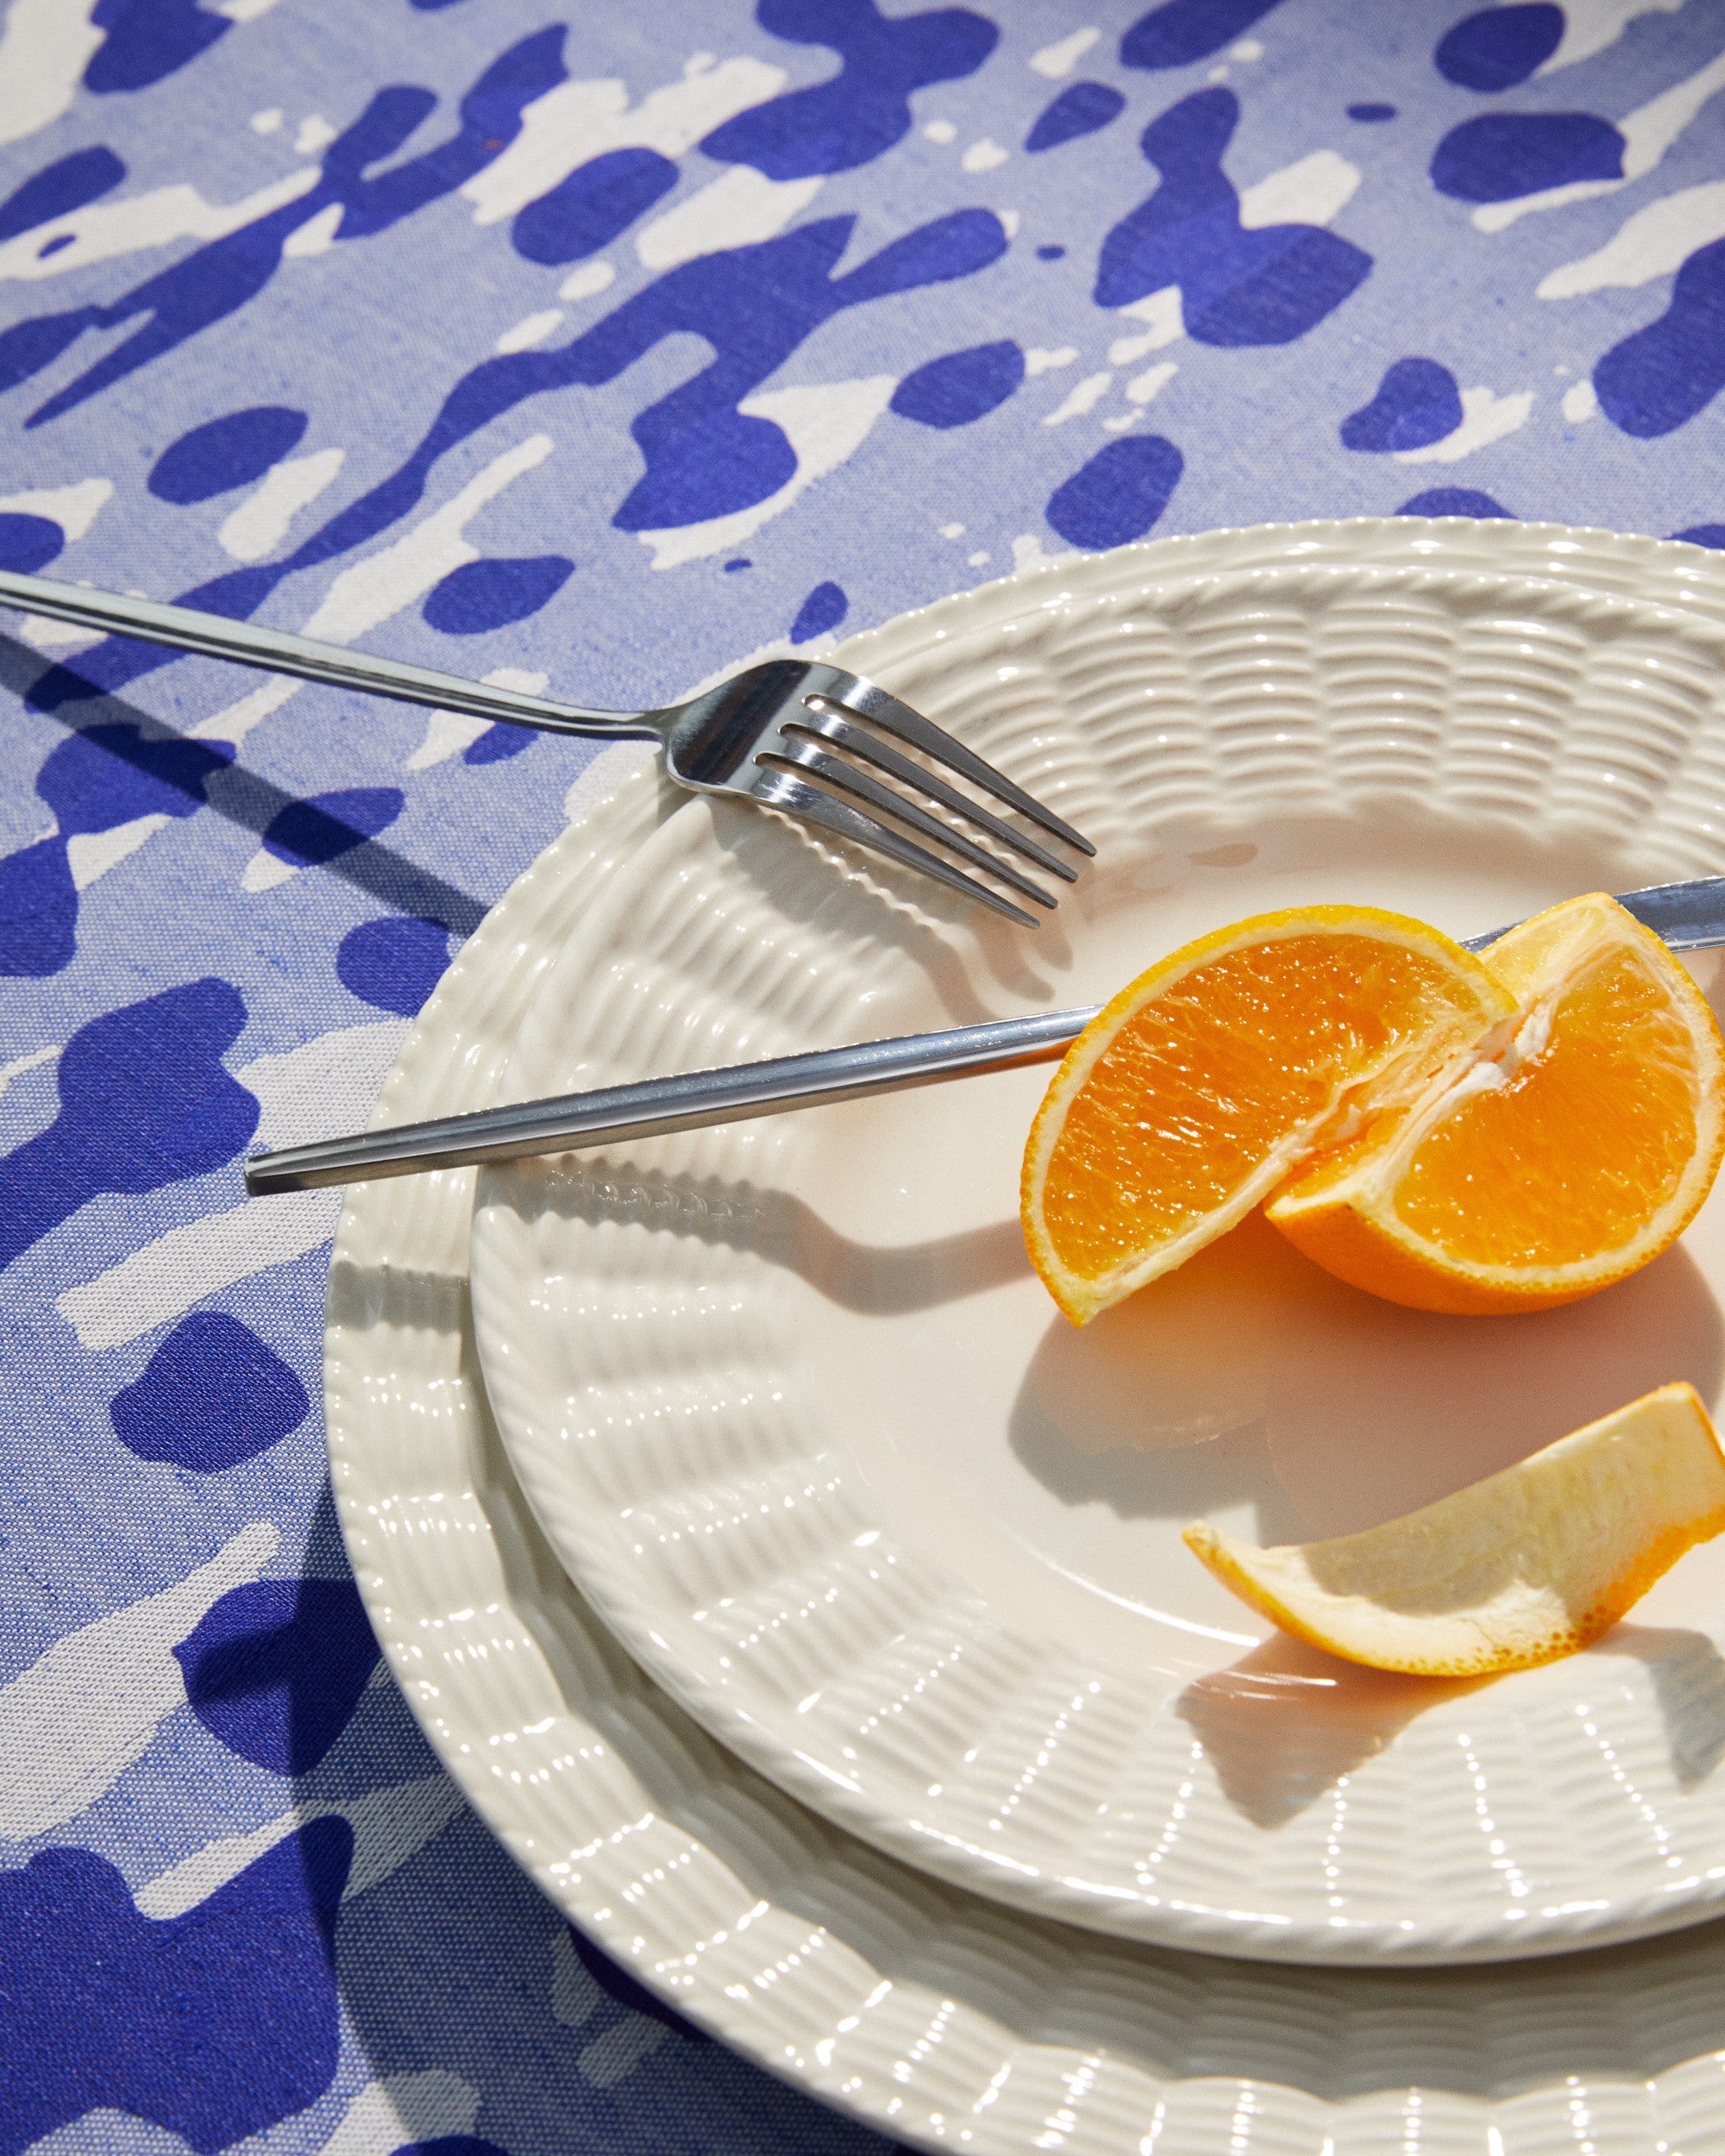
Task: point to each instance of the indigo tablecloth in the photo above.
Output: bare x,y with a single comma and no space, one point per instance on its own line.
603,345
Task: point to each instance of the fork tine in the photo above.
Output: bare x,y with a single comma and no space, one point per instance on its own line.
807,757
867,699
795,797
840,731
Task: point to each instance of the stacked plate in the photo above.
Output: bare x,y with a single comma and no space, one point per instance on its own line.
802,1601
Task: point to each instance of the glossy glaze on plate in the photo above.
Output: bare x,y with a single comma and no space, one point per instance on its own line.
938,2016
797,1414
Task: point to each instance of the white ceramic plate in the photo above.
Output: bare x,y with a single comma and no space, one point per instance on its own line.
938,2016
805,1428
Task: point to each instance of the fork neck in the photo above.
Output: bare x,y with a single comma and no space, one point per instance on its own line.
709,739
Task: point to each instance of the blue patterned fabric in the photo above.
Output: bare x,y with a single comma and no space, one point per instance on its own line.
604,345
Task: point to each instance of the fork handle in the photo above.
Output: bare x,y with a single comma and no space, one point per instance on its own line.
276,651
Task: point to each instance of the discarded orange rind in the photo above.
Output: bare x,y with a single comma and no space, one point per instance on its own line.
1531,1563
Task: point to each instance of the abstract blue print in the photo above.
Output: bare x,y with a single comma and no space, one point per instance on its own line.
1268,285
593,351
211,2026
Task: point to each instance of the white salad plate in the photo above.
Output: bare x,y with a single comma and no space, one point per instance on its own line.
936,2014
793,1409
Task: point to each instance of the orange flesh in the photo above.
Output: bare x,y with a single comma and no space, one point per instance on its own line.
1195,1091
1451,1136
1584,1143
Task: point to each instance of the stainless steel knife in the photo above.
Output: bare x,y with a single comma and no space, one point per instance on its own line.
1687,916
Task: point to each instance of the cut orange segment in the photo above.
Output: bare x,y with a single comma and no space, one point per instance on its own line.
1461,1136
1541,1167
1529,1565
1200,1088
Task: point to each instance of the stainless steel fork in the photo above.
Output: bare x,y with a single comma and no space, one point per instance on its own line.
822,745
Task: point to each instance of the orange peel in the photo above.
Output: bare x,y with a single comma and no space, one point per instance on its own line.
1531,1563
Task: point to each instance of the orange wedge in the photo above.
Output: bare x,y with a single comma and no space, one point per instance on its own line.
1529,1565
1544,1167
1203,1085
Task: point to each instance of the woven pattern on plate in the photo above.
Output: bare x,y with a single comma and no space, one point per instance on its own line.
660,1347
902,2001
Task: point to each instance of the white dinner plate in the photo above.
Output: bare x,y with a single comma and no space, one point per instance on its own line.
938,2016
804,1427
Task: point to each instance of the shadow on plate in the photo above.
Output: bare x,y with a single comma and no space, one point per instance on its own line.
1688,1677
948,937
878,1279
1286,1723
1368,1410
1251,1377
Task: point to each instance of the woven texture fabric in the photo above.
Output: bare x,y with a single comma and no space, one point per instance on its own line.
595,348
